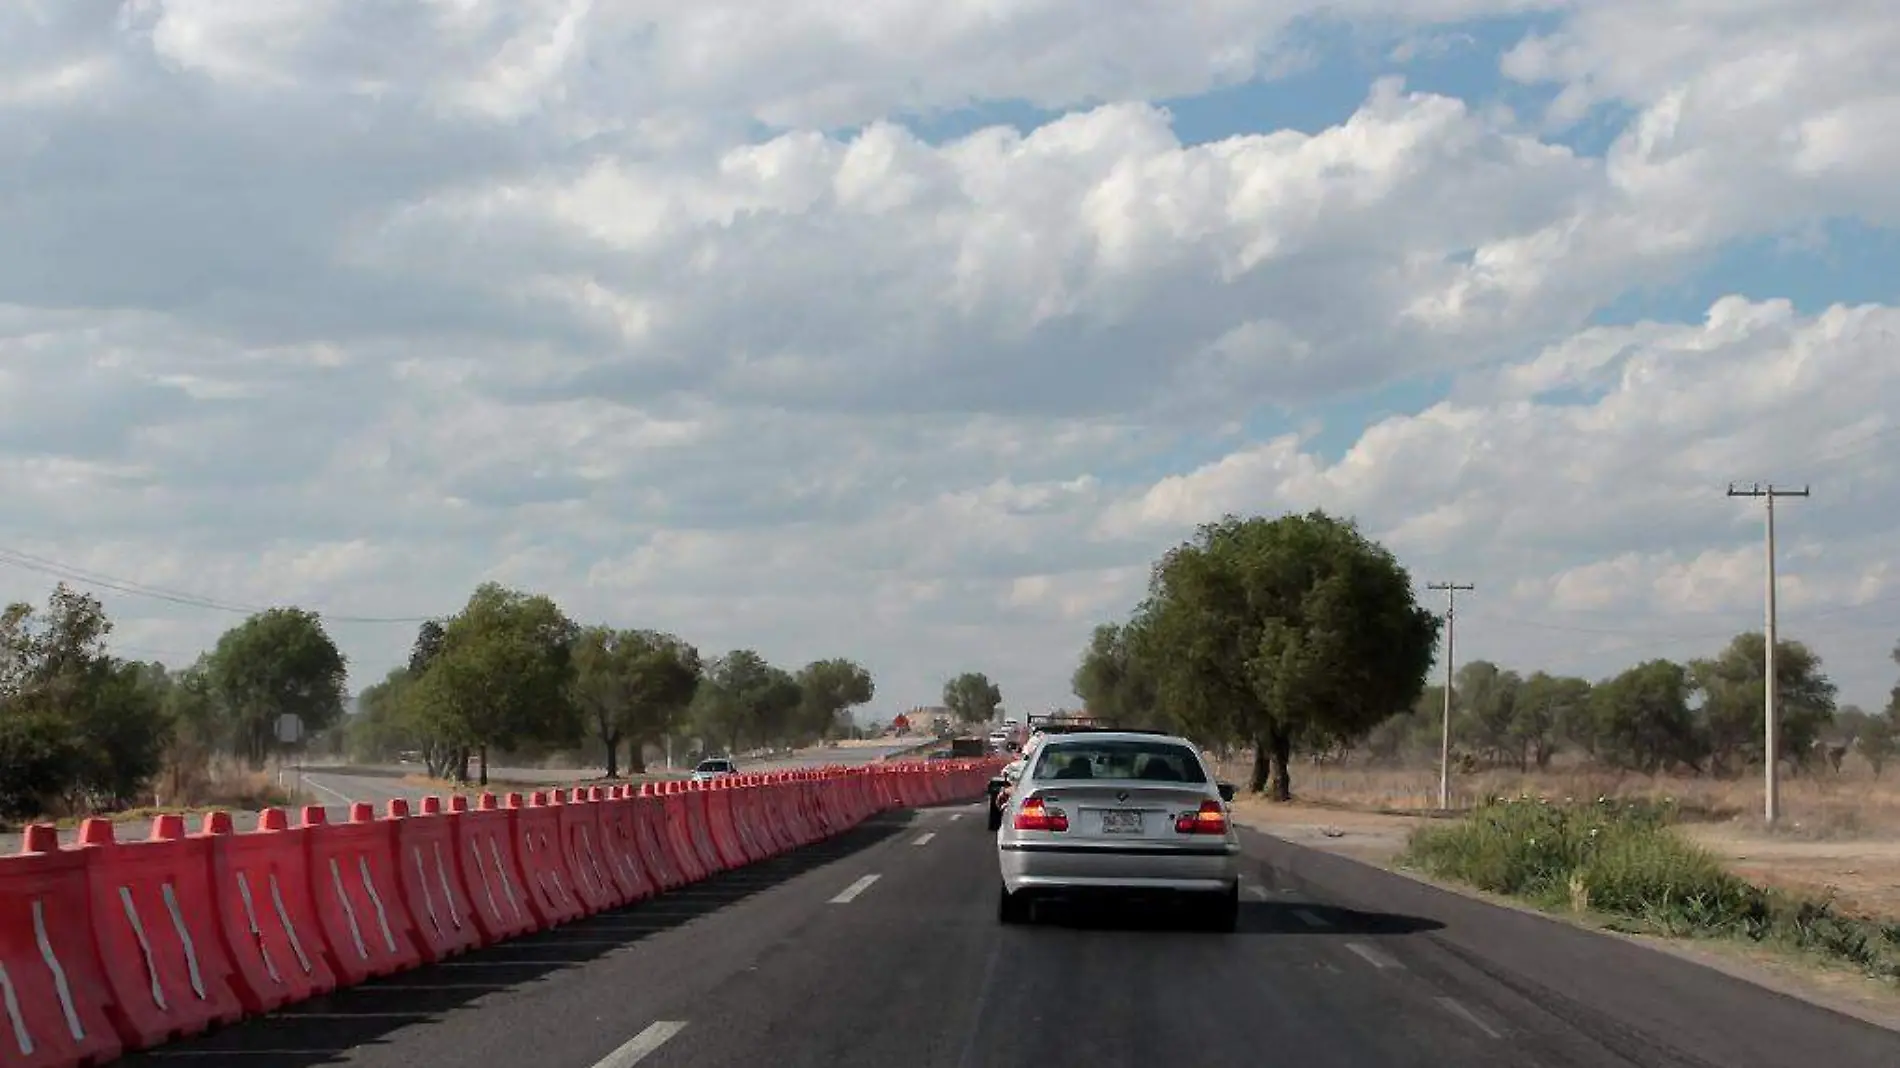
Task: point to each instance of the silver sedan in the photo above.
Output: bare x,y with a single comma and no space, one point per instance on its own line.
1119,813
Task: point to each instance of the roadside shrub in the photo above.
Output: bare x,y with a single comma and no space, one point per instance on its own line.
1624,859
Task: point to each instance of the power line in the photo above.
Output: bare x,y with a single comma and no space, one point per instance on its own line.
81,576
1771,748
1451,590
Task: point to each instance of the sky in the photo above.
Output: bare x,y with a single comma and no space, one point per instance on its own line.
913,332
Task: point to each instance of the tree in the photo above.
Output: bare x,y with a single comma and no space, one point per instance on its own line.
1272,630
633,686
1112,680
427,646
1879,739
1550,710
830,689
1732,685
1643,720
502,675
972,697
277,661
744,697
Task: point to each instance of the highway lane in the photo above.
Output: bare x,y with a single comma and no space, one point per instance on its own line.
882,949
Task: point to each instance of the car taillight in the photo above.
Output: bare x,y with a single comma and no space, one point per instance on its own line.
1037,816
1211,819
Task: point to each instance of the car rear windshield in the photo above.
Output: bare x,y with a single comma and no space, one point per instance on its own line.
716,765
1119,759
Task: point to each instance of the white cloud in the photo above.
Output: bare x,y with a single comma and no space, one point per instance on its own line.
668,313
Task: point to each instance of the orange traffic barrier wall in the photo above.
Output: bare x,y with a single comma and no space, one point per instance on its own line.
485,853
431,881
266,921
158,947
353,883
649,826
537,837
579,824
54,992
107,946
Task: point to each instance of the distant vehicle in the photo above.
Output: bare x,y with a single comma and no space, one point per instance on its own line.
1118,813
969,747
713,768
942,754
999,741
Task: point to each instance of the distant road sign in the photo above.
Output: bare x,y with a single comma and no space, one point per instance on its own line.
290,728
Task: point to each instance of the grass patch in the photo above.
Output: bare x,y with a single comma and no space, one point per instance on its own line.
1624,860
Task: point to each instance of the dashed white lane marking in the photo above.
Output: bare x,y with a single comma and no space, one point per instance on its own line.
955,816
924,838
1376,958
639,1046
1258,893
1310,919
850,893
1457,1008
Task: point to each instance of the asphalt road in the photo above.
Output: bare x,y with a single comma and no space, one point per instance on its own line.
882,949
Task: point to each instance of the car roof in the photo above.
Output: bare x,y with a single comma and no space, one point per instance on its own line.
1103,734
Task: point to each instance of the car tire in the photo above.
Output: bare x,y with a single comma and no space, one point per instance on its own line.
1011,909
1221,914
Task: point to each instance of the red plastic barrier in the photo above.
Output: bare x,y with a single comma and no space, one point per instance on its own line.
745,820
619,844
158,943
725,833
485,855
431,882
266,922
537,838
649,825
580,846
357,894
51,985
679,833
699,827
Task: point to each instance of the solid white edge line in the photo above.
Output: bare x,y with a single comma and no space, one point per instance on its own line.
924,838
1457,1008
850,893
955,816
639,1046
338,794
1310,919
1372,956
1258,893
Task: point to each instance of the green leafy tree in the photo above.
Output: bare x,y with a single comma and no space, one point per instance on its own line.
1112,680
972,697
745,698
1548,711
634,686
502,676
1272,630
1643,719
387,724
1732,684
830,688
276,662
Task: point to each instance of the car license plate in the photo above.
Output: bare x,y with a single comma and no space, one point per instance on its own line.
1121,823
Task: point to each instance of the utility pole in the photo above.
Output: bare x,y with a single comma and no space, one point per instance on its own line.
1771,727
1451,637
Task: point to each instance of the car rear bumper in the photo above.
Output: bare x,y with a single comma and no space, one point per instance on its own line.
1052,866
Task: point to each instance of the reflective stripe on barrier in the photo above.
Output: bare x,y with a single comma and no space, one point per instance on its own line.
431,881
353,885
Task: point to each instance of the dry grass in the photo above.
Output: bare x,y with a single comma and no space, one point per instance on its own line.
1839,836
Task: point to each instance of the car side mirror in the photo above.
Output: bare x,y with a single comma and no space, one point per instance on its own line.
1226,791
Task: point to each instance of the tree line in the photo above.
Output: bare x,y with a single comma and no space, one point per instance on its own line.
82,730
1299,635
512,673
